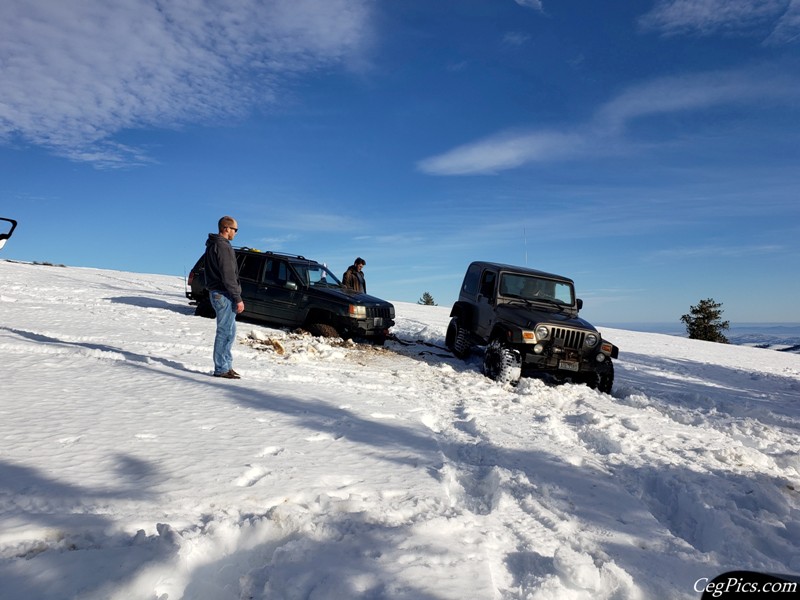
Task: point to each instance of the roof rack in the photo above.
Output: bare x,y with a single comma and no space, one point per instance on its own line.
271,253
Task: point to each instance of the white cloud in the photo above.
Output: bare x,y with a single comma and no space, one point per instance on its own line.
692,253
707,17
693,92
73,74
656,97
502,152
788,28
537,4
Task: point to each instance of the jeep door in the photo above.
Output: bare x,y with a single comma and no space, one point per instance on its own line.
251,269
485,303
278,293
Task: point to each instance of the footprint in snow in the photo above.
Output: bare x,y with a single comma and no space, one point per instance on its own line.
270,451
323,437
253,475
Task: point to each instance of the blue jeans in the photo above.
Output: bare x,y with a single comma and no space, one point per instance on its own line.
226,332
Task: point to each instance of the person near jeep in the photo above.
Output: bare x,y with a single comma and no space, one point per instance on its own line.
353,278
225,293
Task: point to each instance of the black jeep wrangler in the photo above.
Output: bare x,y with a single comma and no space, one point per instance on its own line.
528,321
294,291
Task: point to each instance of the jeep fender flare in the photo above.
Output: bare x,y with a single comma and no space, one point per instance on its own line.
614,350
505,334
463,312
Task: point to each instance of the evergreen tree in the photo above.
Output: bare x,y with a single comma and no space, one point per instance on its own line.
704,322
427,300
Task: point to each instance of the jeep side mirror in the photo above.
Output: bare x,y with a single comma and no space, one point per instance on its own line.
290,285
580,304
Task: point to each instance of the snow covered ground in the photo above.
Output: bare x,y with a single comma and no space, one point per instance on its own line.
334,471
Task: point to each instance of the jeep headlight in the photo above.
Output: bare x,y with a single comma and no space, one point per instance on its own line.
358,312
542,332
591,340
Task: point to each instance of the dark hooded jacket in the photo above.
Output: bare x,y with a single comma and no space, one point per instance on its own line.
221,272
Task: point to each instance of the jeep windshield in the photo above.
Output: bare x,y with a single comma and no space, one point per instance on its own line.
315,274
536,289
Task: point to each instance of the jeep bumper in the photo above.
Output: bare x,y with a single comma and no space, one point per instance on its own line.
370,327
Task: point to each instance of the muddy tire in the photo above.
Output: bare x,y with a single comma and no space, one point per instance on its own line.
322,330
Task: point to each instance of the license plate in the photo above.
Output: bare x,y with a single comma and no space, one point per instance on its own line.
377,322
568,365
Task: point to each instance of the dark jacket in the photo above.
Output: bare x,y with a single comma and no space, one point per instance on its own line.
354,280
222,273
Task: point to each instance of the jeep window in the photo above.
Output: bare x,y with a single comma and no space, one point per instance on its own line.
470,285
316,274
251,267
487,284
515,285
278,272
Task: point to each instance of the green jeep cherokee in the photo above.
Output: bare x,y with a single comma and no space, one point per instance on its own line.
293,291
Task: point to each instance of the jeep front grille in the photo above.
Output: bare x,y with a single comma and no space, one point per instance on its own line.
569,338
379,311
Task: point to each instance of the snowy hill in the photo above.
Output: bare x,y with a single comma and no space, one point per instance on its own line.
336,471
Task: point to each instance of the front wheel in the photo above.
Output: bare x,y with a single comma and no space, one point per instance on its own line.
502,363
603,379
322,330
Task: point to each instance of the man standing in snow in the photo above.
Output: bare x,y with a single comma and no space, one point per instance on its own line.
353,278
222,283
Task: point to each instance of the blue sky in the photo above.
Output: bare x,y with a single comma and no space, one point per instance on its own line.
648,150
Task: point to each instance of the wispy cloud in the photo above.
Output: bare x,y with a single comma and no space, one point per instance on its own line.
657,97
502,152
537,4
694,92
774,20
74,74
691,253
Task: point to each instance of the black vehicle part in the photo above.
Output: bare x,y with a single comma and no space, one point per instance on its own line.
502,363
456,339
4,236
205,309
322,330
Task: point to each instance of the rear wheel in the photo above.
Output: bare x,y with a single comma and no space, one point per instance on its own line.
204,309
502,363
456,339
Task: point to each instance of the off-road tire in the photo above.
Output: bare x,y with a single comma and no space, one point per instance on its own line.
605,379
322,330
456,339
502,363
205,309
601,380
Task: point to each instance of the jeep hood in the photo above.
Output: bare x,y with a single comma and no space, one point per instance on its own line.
528,317
348,296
